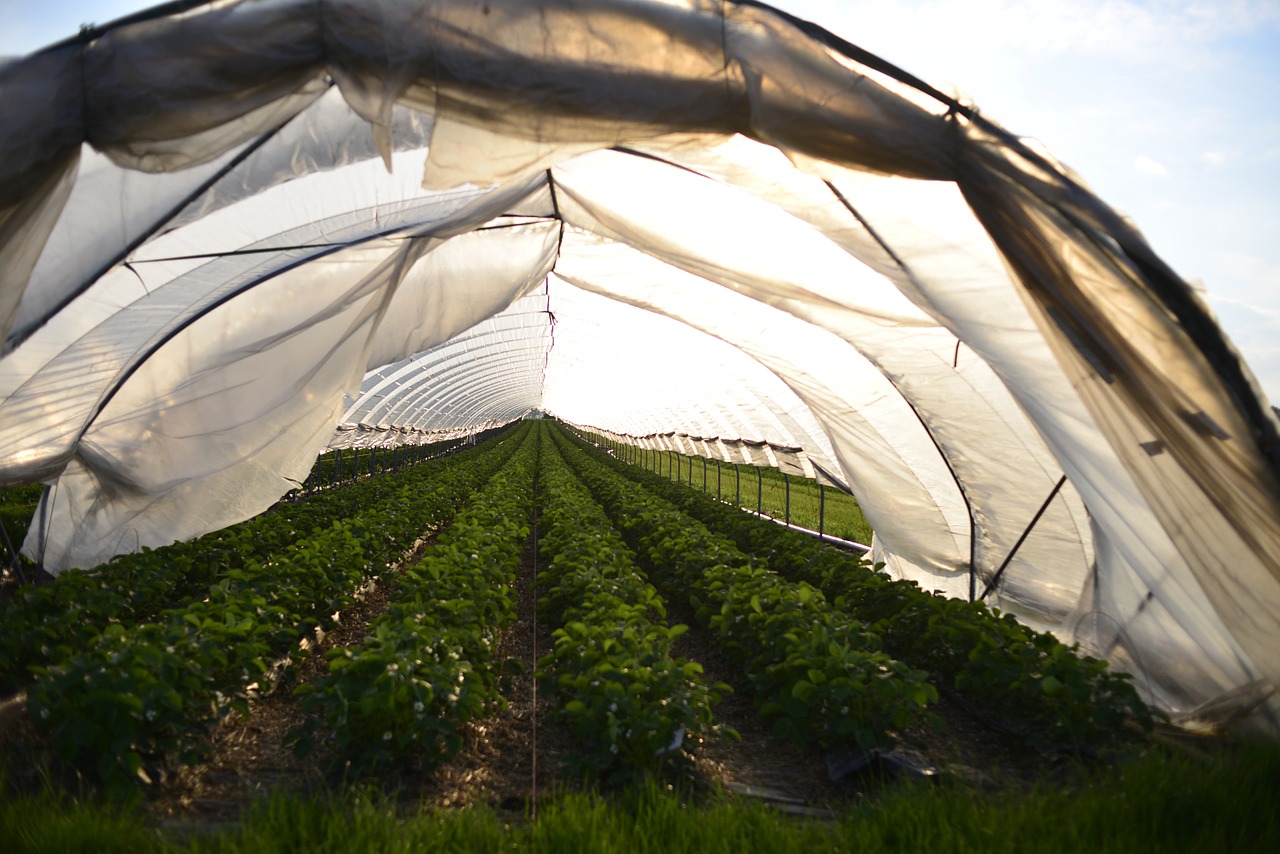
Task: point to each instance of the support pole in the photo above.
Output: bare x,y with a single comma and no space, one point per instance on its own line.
704,474
786,480
995,579
12,560
737,486
822,508
759,491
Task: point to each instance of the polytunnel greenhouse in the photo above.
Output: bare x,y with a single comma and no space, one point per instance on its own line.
237,236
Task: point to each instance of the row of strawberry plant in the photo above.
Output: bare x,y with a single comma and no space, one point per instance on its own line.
1031,682
135,698
404,694
628,702
45,624
817,675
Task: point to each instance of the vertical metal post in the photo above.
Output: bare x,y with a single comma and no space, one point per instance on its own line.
718,469
355,463
737,486
822,508
691,471
786,480
759,491
704,474
337,468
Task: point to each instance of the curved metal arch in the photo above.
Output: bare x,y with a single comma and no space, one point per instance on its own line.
440,370
443,395
410,370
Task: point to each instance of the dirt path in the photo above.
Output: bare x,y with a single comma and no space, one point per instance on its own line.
511,761
759,765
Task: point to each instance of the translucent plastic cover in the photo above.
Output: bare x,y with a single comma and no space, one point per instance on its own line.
234,237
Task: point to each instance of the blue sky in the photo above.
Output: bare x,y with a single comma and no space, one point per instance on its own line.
1169,110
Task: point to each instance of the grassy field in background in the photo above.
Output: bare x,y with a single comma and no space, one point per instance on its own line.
17,506
765,490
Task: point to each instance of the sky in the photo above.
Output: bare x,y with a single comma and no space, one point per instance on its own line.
1168,109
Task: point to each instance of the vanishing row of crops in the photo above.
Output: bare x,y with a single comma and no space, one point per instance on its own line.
130,666
1025,681
128,669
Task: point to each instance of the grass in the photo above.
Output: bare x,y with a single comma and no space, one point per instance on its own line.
17,506
765,490
1156,802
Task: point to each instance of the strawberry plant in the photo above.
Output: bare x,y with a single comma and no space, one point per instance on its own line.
404,694
816,675
44,625
628,702
1035,684
254,612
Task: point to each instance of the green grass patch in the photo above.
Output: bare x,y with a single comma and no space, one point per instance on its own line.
17,506
766,490
1157,802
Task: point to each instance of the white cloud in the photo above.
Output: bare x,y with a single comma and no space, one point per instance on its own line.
1149,165
1263,316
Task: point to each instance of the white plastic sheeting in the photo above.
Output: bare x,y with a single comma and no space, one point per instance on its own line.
234,236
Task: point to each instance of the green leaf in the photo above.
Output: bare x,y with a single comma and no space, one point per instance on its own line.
802,690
